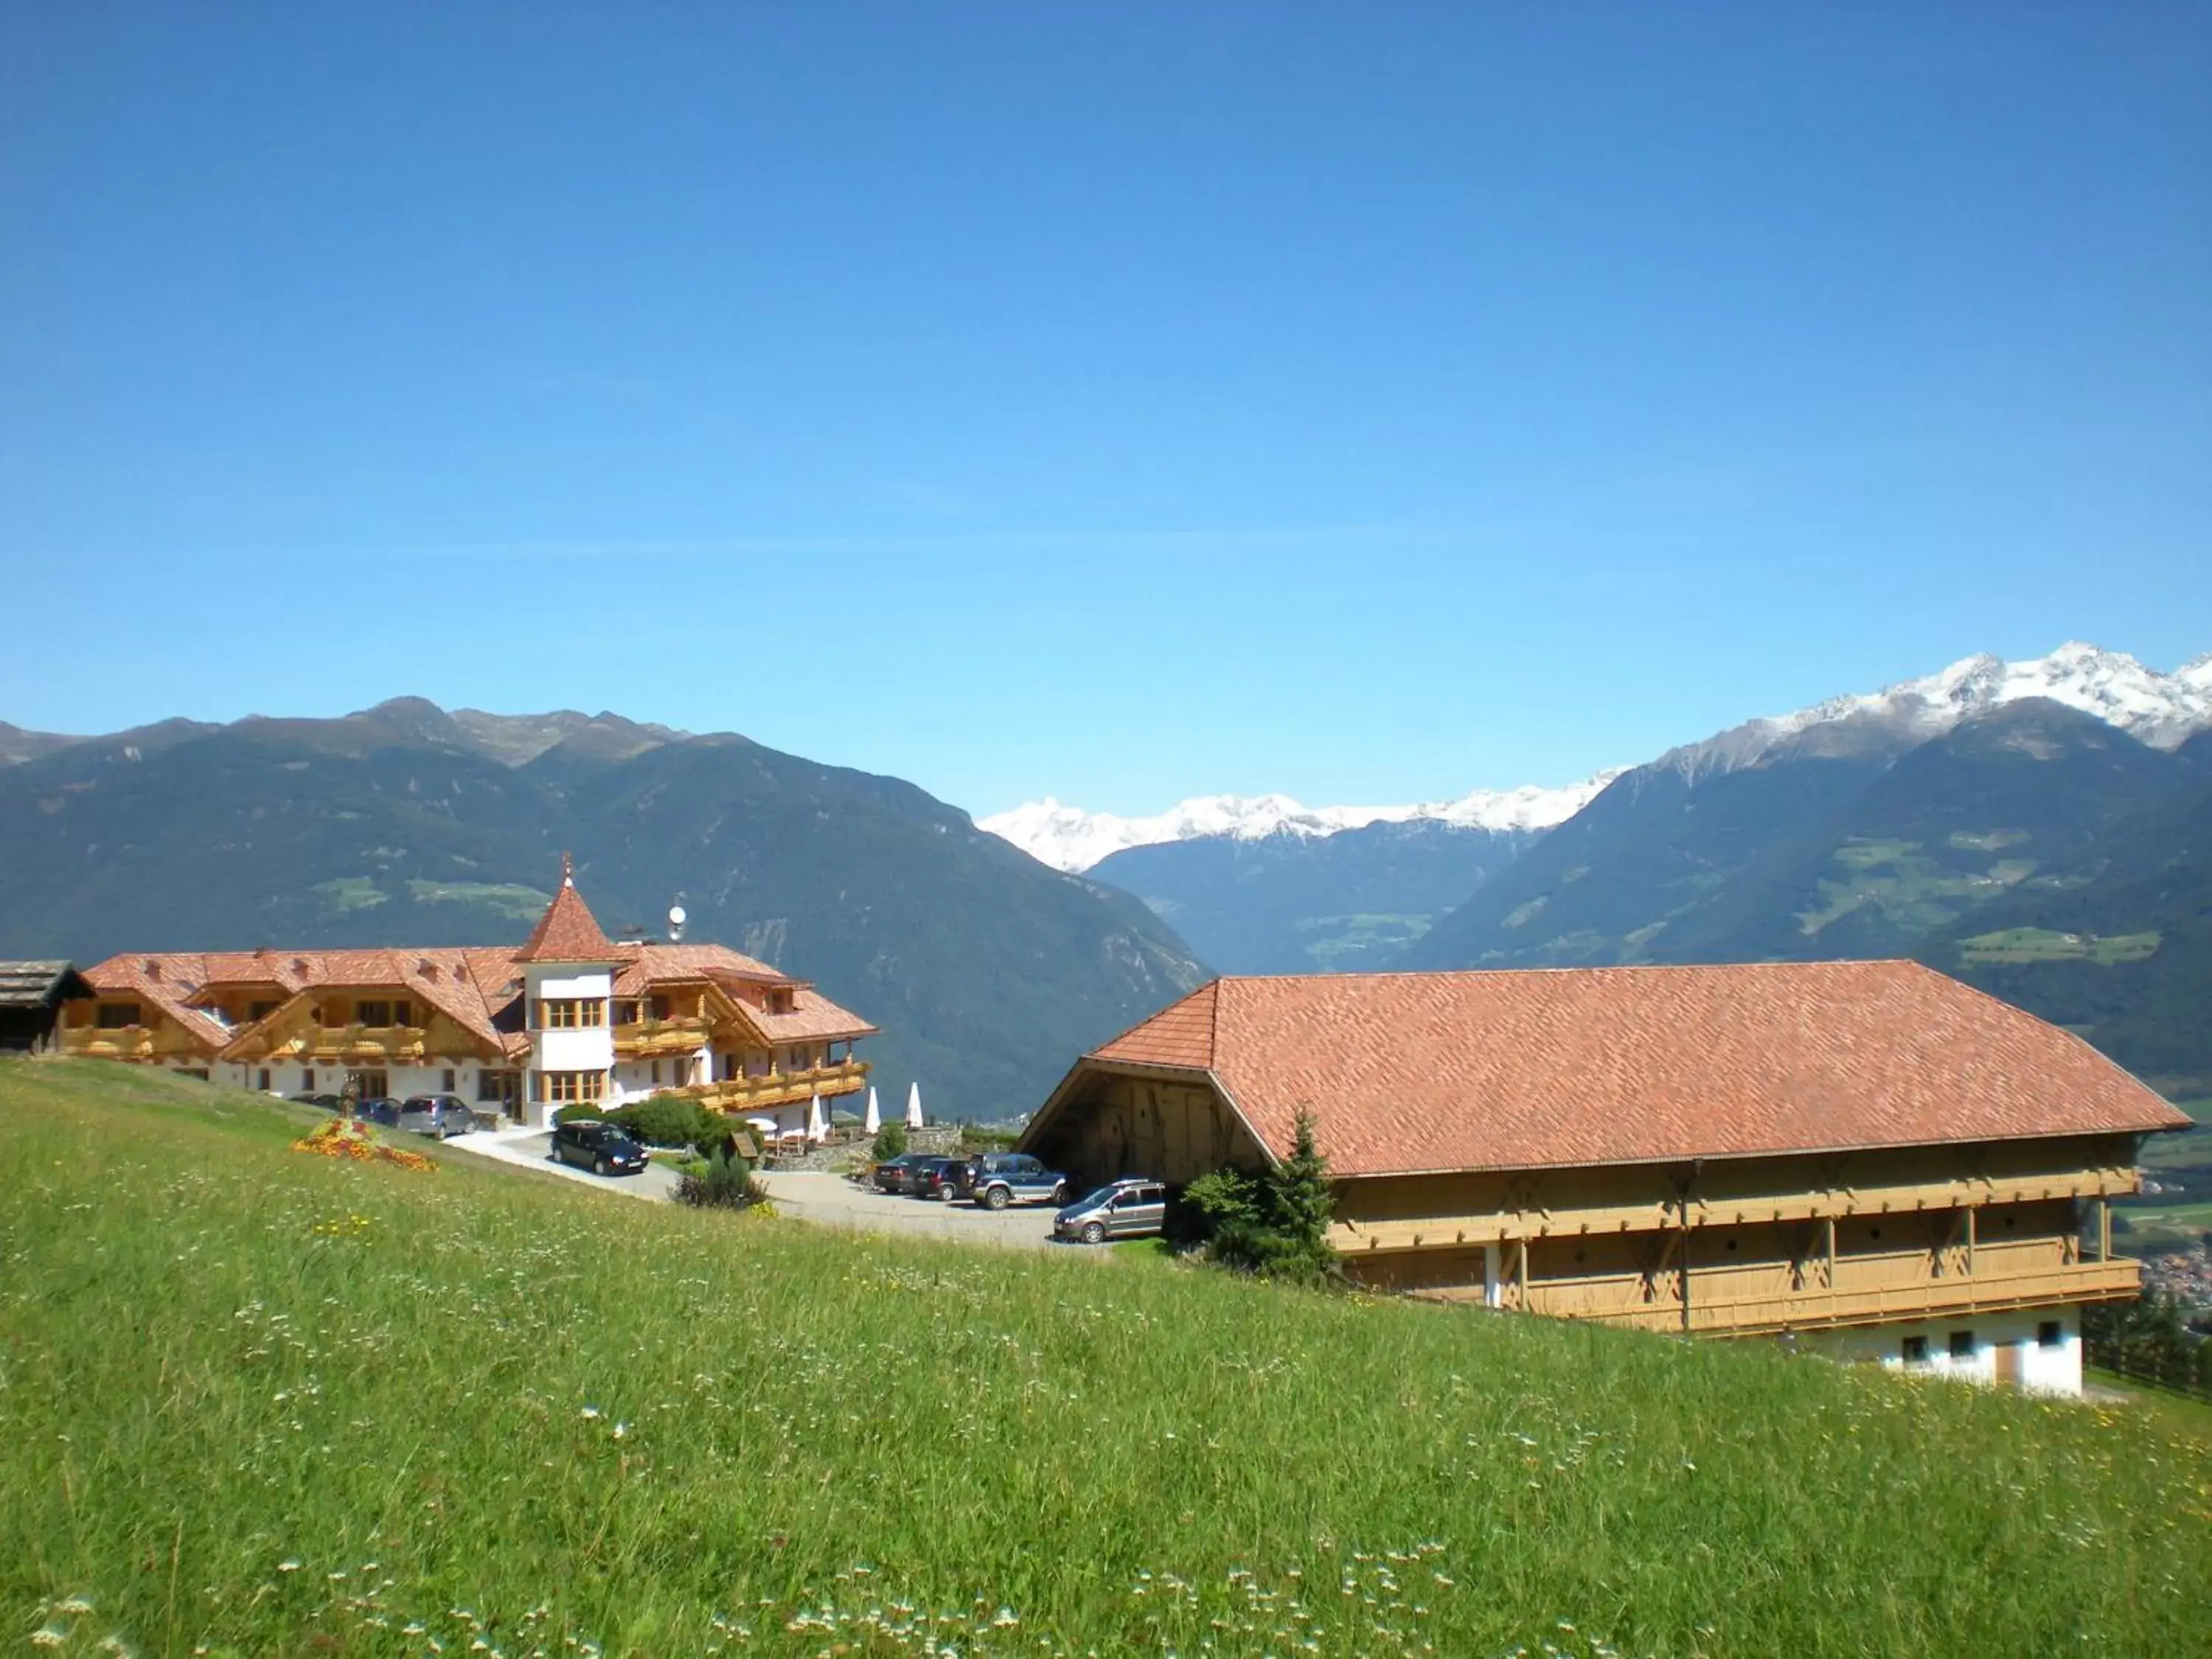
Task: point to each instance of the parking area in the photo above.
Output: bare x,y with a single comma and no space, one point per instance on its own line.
831,1201
827,1200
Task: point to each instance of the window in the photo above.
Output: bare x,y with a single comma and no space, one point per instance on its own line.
570,1013
403,1013
306,1079
567,1088
1916,1350
2050,1334
372,1013
656,1070
374,1085
260,1010
118,1016
495,1086
626,1011
261,1080
447,1086
1962,1345
658,1007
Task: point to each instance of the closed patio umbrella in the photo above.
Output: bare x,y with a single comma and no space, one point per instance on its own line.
815,1132
874,1121
913,1106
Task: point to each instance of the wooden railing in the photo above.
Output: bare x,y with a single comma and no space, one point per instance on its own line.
740,1094
108,1042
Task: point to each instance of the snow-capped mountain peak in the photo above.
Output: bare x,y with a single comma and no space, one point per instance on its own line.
1069,838
2160,709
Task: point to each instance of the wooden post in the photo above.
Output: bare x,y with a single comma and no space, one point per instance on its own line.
1970,1241
1832,1264
2104,1229
1686,1269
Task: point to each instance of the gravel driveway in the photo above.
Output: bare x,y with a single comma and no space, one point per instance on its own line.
828,1200
833,1201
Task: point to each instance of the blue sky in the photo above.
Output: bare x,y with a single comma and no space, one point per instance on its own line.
1113,402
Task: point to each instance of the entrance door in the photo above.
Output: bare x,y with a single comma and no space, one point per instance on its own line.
2007,1361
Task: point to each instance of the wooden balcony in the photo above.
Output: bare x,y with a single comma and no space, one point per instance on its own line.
108,1042
740,1095
652,1039
1617,1302
362,1045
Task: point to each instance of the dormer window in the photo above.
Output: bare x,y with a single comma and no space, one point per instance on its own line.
117,1015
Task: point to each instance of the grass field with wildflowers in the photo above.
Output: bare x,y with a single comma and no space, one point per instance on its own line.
254,1402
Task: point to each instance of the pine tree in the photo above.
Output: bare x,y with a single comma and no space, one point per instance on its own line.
1301,1202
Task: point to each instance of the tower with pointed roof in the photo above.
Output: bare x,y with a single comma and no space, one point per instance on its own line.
568,967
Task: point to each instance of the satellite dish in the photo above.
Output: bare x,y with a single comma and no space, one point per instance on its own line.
675,916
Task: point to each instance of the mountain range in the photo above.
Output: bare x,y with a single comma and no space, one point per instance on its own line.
2037,827
405,825
2031,826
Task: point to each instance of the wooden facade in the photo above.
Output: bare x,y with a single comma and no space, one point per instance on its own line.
1729,1246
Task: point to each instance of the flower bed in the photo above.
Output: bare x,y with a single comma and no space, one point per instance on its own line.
346,1137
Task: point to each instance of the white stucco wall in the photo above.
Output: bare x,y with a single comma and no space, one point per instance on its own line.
570,982
2054,1369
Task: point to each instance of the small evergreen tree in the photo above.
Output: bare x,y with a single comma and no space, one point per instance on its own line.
1275,1224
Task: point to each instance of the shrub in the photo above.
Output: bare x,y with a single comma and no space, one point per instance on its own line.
1275,1224
672,1121
890,1141
720,1183
976,1140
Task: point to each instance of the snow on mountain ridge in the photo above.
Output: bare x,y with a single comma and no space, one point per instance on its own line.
2160,709
1071,839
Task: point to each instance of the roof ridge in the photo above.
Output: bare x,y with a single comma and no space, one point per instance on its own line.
1582,968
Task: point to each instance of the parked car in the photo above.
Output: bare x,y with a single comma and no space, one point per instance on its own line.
895,1174
603,1148
1121,1209
937,1178
378,1108
436,1115
995,1180
328,1103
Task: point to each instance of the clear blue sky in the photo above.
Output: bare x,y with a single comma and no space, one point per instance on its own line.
1120,402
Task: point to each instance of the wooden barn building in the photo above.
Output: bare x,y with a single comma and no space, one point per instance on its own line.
31,998
1870,1156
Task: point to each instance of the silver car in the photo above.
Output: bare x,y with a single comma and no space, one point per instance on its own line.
436,1114
1123,1209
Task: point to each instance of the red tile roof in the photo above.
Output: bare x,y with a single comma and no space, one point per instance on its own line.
470,986
567,932
1410,1072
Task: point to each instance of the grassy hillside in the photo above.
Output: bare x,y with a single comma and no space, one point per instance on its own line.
255,1402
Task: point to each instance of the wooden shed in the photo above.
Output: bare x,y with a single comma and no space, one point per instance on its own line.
31,998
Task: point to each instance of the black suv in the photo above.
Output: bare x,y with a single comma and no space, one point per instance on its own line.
603,1148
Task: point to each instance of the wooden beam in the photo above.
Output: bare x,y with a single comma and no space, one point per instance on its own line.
1659,1213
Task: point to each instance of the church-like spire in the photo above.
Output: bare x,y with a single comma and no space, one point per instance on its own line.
567,932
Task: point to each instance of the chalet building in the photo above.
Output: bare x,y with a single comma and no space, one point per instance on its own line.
571,1016
1870,1156
32,994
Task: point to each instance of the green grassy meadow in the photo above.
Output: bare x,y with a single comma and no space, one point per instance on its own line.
255,1402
